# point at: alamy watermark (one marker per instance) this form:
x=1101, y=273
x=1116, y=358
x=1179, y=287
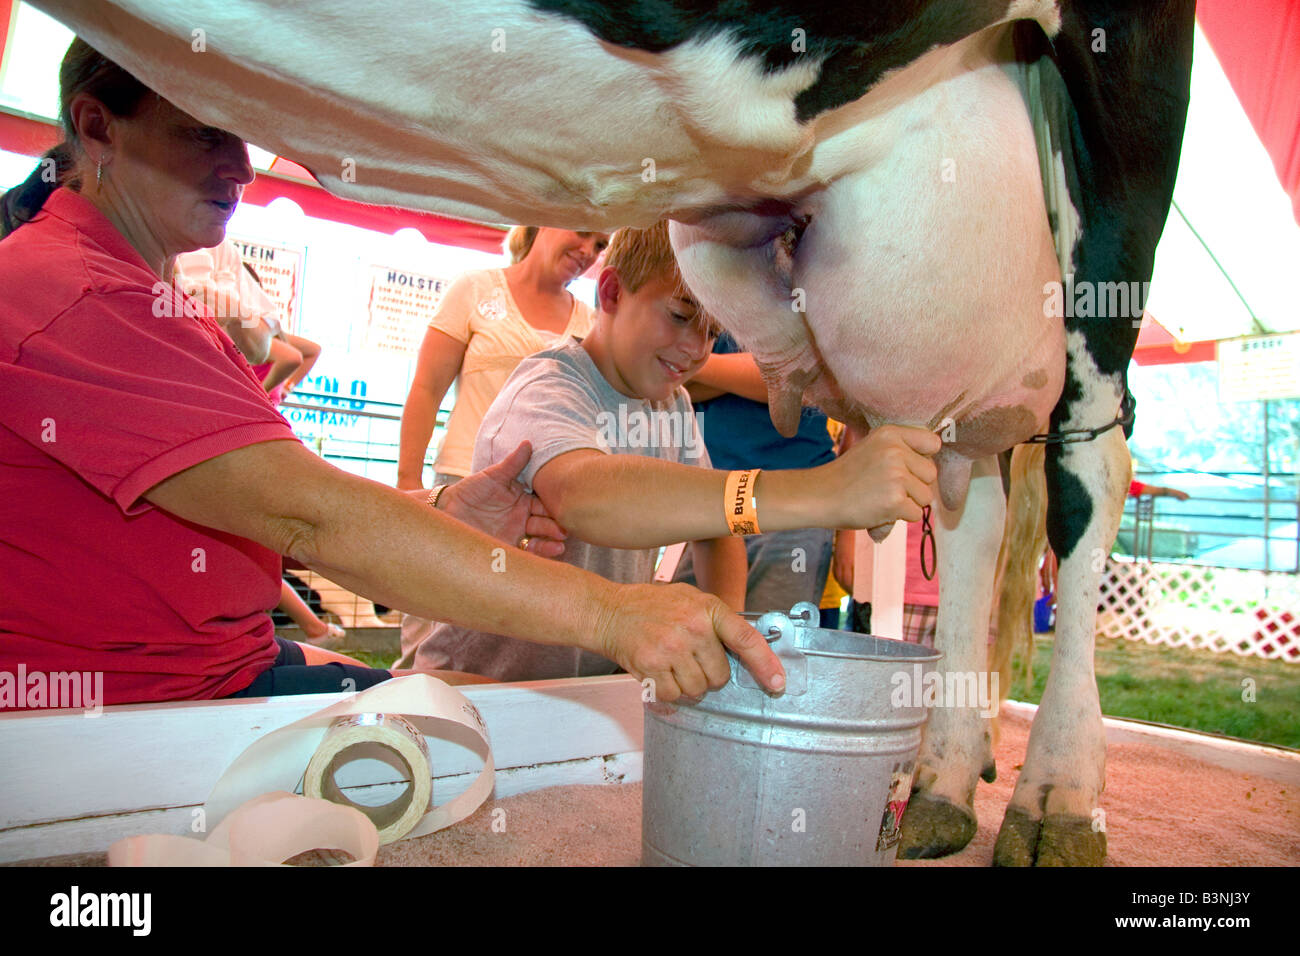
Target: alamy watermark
x=643, y=428
x=60, y=690
x=950, y=689
x=130, y=910
x=1095, y=300
x=174, y=301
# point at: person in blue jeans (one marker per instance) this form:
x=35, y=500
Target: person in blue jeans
x=730, y=398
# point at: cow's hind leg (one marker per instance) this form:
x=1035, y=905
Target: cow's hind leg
x=956, y=749
x=1054, y=817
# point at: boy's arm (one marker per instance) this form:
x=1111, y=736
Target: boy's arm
x=629, y=501
x=734, y=372
x=721, y=569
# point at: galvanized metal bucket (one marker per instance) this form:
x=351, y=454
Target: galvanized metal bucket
x=816, y=776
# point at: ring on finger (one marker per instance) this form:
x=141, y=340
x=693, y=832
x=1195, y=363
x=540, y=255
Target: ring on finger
x=523, y=542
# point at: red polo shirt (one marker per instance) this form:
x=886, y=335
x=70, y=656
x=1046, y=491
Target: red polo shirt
x=107, y=388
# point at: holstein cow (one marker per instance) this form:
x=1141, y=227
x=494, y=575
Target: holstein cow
x=879, y=200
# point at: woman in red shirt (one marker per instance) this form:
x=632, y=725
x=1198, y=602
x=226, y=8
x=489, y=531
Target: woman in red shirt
x=148, y=488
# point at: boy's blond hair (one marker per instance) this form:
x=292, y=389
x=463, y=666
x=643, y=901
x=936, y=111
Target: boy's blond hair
x=644, y=255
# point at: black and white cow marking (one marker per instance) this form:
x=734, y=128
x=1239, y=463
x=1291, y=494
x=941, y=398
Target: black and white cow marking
x=916, y=173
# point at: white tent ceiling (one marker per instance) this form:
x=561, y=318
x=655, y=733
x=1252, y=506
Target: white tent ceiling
x=1229, y=193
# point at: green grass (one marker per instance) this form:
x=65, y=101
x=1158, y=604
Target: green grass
x=382, y=661
x=1193, y=689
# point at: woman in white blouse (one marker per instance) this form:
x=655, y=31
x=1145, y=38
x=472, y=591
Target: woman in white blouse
x=485, y=324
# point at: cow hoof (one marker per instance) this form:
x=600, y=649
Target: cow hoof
x=990, y=772
x=934, y=827
x=1016, y=840
x=1055, y=841
x=1070, y=841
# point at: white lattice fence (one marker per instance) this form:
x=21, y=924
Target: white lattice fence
x=1214, y=609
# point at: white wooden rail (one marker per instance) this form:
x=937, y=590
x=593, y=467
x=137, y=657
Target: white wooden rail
x=1239, y=756
x=879, y=575
x=75, y=784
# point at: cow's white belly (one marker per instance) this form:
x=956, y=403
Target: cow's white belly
x=923, y=268
x=497, y=112
x=944, y=315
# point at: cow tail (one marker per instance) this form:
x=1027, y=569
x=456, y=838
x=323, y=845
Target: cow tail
x=1023, y=542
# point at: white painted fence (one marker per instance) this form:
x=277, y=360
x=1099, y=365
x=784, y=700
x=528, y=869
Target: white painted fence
x=1249, y=613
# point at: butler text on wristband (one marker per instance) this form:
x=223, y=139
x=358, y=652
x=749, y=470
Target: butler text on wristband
x=739, y=504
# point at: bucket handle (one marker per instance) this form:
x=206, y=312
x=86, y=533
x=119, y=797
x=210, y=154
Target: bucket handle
x=781, y=632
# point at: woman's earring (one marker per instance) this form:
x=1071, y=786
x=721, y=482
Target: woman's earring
x=99, y=172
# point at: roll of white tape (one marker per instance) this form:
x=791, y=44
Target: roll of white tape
x=384, y=736
x=259, y=820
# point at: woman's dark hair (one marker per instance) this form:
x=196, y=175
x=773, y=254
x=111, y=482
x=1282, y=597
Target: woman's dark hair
x=84, y=70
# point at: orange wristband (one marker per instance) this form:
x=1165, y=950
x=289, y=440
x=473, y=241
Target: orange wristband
x=739, y=503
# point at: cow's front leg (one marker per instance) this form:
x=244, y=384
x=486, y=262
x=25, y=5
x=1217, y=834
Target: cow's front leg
x=1053, y=817
x=956, y=749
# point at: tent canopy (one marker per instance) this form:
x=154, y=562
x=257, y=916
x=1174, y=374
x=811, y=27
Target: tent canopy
x=1226, y=261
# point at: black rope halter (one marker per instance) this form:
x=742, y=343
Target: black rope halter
x=1071, y=435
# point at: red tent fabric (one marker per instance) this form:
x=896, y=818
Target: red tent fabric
x=6, y=13
x=1258, y=46
x=1156, y=345
x=22, y=134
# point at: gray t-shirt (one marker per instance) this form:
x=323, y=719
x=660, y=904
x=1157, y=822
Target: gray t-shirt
x=558, y=400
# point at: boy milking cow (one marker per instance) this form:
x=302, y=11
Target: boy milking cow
x=619, y=462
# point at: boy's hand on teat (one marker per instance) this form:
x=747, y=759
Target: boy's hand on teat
x=886, y=477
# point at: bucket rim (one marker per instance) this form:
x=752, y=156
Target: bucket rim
x=804, y=628
x=916, y=653
x=933, y=657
